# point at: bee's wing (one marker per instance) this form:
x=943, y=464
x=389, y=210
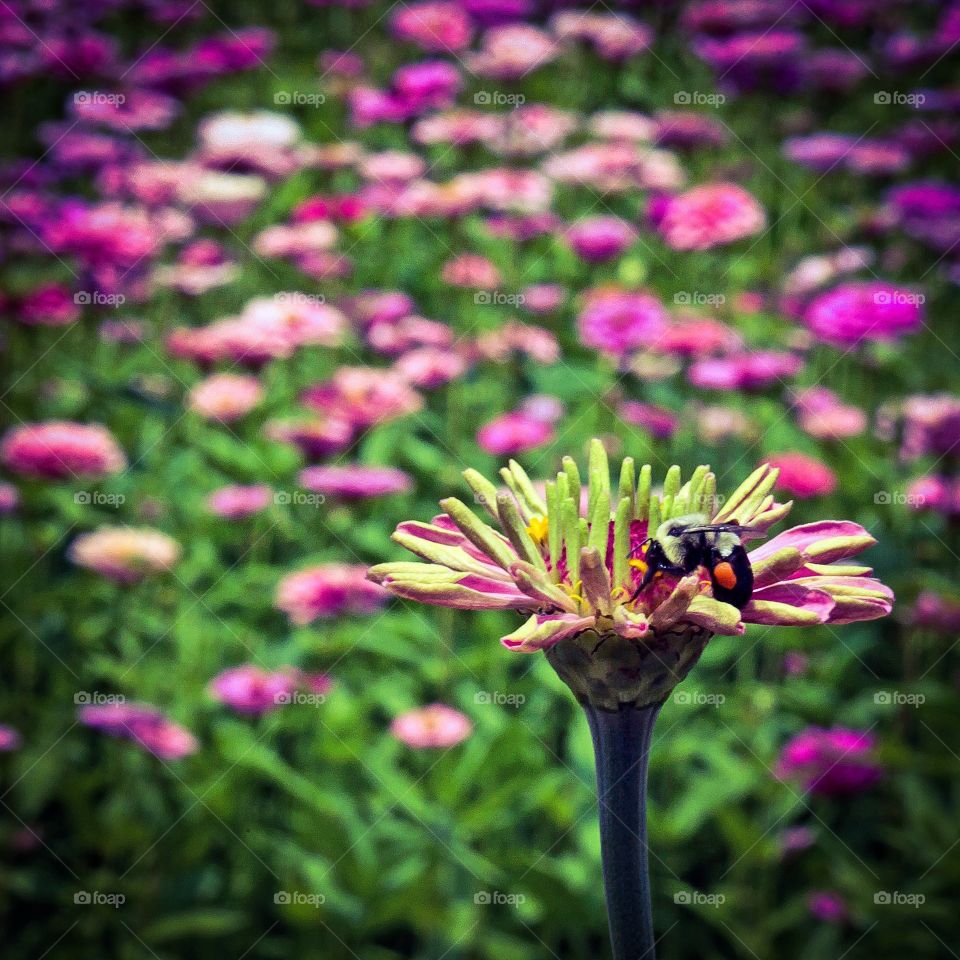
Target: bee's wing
x=734, y=528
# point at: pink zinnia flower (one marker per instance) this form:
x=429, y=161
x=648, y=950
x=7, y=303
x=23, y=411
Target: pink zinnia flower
x=822, y=414
x=364, y=395
x=657, y=421
x=225, y=396
x=512, y=51
x=471, y=271
x=856, y=311
x=803, y=476
x=328, y=590
x=355, y=481
x=745, y=371
x=144, y=725
x=51, y=305
x=621, y=321
x=430, y=367
x=514, y=433
x=433, y=25
x=249, y=689
x=9, y=738
x=60, y=449
x=830, y=762
x=315, y=437
x=436, y=725
x=598, y=239
x=125, y=554
x=236, y=502
x=709, y=216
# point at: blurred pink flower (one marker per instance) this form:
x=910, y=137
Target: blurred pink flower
x=431, y=367
x=50, y=305
x=830, y=762
x=657, y=421
x=125, y=554
x=365, y=396
x=225, y=396
x=512, y=51
x=543, y=297
x=328, y=590
x=236, y=502
x=9, y=498
x=933, y=611
x=698, y=336
x=745, y=371
x=536, y=343
x=822, y=414
x=60, y=449
x=314, y=436
x=854, y=312
x=9, y=738
x=599, y=239
x=709, y=216
x=355, y=481
x=250, y=689
x=513, y=433
x=828, y=906
x=802, y=476
x=436, y=725
x=144, y=725
x=621, y=321
x=471, y=271
x=433, y=25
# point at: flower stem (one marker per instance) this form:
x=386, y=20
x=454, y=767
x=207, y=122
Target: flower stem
x=621, y=744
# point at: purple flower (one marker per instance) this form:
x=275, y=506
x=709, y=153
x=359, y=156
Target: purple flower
x=598, y=239
x=621, y=321
x=144, y=725
x=249, y=689
x=830, y=762
x=355, y=481
x=514, y=433
x=828, y=906
x=858, y=311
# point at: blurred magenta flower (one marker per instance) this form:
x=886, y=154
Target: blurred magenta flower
x=125, y=554
x=471, y=271
x=145, y=725
x=795, y=839
x=744, y=371
x=822, y=414
x=803, y=476
x=61, y=449
x=828, y=906
x=364, y=396
x=9, y=738
x=250, y=689
x=512, y=51
x=621, y=321
x=328, y=590
x=9, y=498
x=236, y=502
x=710, y=215
x=830, y=762
x=931, y=425
x=431, y=367
x=355, y=481
x=49, y=305
x=599, y=239
x=225, y=396
x=857, y=311
x=513, y=433
x=433, y=726
x=614, y=36
x=657, y=421
x=433, y=25
x=933, y=611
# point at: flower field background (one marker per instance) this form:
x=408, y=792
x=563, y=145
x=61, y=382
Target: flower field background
x=273, y=277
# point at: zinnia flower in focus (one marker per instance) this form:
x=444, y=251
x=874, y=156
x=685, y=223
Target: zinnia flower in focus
x=830, y=762
x=328, y=590
x=579, y=576
x=60, y=449
x=710, y=215
x=225, y=396
x=145, y=725
x=355, y=481
x=855, y=312
x=803, y=476
x=436, y=725
x=125, y=554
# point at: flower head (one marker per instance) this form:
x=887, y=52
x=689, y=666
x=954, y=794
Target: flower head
x=59, y=449
x=617, y=631
x=125, y=554
x=830, y=762
x=436, y=725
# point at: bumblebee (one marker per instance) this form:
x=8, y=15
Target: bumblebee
x=683, y=544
